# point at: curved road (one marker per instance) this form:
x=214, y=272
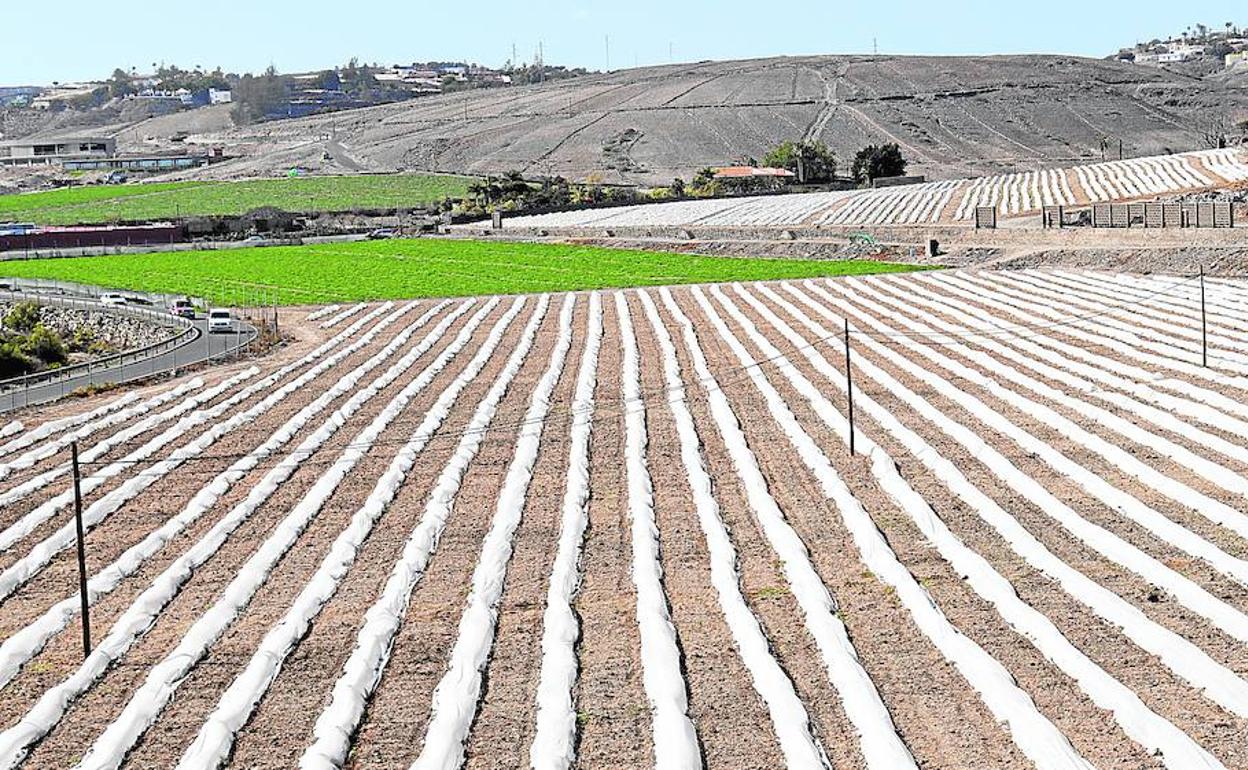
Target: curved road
x=204, y=347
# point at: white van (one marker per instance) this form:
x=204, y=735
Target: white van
x=220, y=321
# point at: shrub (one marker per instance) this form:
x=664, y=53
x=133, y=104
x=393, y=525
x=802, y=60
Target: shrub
x=45, y=345
x=13, y=363
x=23, y=317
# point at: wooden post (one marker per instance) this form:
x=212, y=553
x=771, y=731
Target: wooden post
x=1204, y=326
x=849, y=389
x=82, y=554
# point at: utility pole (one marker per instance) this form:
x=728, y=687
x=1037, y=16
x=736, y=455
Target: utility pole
x=849, y=390
x=82, y=554
x=1204, y=327
x=607, y=44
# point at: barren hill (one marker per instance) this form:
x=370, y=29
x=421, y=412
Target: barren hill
x=956, y=116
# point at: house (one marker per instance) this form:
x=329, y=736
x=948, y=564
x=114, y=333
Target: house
x=38, y=150
x=220, y=97
x=753, y=172
x=1238, y=59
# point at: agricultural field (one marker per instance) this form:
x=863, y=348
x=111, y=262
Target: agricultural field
x=952, y=201
x=114, y=203
x=412, y=269
x=625, y=528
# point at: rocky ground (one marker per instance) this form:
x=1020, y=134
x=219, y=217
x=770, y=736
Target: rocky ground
x=114, y=331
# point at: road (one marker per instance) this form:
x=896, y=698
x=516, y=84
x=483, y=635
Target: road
x=204, y=347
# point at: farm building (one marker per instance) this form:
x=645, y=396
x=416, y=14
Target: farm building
x=47, y=149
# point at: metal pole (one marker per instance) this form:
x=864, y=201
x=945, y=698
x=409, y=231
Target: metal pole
x=1204, y=326
x=82, y=554
x=849, y=389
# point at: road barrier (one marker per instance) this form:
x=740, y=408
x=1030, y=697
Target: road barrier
x=184, y=333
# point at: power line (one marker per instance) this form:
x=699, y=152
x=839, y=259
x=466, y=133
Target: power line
x=604, y=409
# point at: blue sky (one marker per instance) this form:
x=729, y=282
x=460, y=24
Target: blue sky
x=299, y=35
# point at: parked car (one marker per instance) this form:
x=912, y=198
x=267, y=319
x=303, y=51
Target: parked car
x=182, y=308
x=220, y=321
x=382, y=233
x=112, y=299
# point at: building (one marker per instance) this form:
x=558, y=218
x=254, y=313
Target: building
x=36, y=150
x=753, y=172
x=220, y=97
x=1238, y=59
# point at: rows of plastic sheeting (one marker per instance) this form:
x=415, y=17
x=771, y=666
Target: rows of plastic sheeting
x=1137, y=721
x=1126, y=344
x=881, y=746
x=165, y=677
x=101, y=448
x=16, y=741
x=331, y=738
x=244, y=693
x=21, y=646
x=1228, y=691
x=52, y=427
x=317, y=315
x=136, y=482
x=1211, y=470
x=456, y=695
x=1036, y=737
x=343, y=315
x=675, y=741
x=49, y=448
x=554, y=741
x=789, y=718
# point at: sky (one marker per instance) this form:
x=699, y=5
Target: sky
x=301, y=35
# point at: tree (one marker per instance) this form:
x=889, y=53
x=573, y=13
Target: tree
x=811, y=161
x=703, y=178
x=256, y=97
x=677, y=188
x=1215, y=131
x=875, y=161
x=119, y=84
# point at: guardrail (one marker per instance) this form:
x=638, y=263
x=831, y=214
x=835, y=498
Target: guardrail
x=186, y=333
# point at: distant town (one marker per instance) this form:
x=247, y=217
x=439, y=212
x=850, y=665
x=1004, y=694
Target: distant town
x=276, y=95
x=1207, y=48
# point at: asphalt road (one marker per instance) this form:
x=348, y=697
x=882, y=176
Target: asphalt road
x=204, y=347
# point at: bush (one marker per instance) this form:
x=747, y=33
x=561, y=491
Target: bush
x=23, y=317
x=45, y=345
x=13, y=363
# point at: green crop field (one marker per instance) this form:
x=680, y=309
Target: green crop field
x=414, y=268
x=113, y=203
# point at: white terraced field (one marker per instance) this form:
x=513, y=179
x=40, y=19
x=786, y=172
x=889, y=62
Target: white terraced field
x=624, y=529
x=1011, y=194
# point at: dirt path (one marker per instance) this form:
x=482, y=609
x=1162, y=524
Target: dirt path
x=612, y=712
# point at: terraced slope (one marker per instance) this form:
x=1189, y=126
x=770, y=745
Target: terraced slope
x=955, y=116
x=626, y=527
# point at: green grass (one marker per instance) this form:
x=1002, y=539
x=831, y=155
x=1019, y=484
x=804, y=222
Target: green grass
x=403, y=269
x=112, y=203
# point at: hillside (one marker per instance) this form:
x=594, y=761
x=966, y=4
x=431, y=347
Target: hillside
x=956, y=116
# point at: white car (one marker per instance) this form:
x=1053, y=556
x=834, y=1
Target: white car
x=220, y=321
x=112, y=299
